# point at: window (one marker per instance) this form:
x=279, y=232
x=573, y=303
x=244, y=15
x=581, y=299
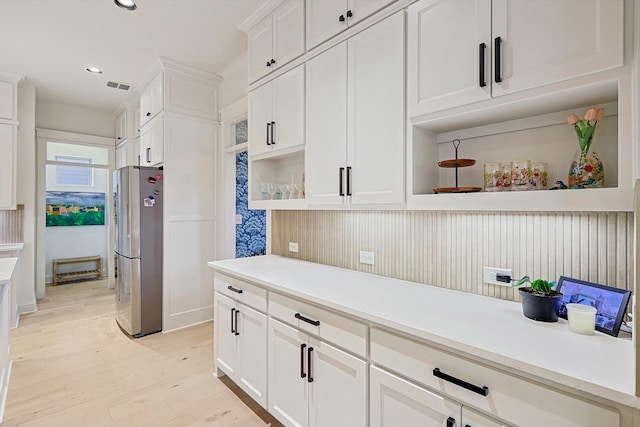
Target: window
x=74, y=175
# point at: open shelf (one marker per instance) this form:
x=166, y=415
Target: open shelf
x=285, y=169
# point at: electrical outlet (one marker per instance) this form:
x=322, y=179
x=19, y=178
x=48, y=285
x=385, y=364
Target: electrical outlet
x=367, y=257
x=489, y=275
x=293, y=247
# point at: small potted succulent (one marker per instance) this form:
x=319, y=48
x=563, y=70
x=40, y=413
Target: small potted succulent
x=539, y=300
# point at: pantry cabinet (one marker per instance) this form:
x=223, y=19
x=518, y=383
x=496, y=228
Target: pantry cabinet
x=8, y=161
x=276, y=114
x=312, y=383
x=354, y=151
x=326, y=18
x=152, y=142
x=463, y=53
x=276, y=40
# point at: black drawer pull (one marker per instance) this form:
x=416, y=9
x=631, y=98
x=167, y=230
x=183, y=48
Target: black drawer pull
x=232, y=289
x=233, y=331
x=306, y=319
x=451, y=422
x=302, y=347
x=481, y=58
x=237, y=332
x=341, y=178
x=457, y=381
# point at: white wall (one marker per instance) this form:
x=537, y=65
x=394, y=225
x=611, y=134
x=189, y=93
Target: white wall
x=77, y=241
x=71, y=118
x=234, y=83
x=26, y=193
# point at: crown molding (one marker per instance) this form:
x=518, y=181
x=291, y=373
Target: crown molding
x=259, y=14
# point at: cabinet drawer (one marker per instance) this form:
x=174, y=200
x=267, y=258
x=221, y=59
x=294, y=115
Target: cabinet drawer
x=511, y=398
x=246, y=293
x=346, y=333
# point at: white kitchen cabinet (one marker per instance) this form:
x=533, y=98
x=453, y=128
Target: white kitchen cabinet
x=121, y=127
x=312, y=383
x=463, y=52
x=241, y=346
x=8, y=162
x=471, y=418
x=151, y=99
x=8, y=94
x=152, y=142
x=326, y=18
x=276, y=40
x=128, y=153
x=276, y=114
x=354, y=152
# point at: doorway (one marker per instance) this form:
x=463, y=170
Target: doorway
x=74, y=207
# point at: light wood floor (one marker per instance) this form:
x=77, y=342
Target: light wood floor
x=72, y=366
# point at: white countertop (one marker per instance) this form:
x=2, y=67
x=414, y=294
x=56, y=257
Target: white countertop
x=488, y=328
x=11, y=247
x=7, y=265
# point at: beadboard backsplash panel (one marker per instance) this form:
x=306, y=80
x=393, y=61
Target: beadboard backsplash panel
x=449, y=249
x=11, y=225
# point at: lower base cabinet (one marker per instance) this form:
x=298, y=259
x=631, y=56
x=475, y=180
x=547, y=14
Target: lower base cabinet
x=396, y=402
x=312, y=383
x=241, y=343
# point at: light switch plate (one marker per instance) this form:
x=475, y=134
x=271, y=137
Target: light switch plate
x=238, y=219
x=293, y=247
x=367, y=257
x=489, y=275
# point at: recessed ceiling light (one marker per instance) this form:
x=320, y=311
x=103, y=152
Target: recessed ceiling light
x=94, y=70
x=126, y=4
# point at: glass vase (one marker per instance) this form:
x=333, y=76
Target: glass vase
x=586, y=170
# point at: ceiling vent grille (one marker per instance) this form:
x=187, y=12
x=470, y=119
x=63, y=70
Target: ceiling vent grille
x=116, y=85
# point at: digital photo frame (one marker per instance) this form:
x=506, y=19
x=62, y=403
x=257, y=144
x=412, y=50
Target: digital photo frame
x=610, y=303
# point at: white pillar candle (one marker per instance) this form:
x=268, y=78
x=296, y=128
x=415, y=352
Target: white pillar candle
x=582, y=318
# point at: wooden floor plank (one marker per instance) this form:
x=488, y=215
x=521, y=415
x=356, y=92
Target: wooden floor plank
x=72, y=366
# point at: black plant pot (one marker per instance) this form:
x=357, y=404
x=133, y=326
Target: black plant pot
x=543, y=308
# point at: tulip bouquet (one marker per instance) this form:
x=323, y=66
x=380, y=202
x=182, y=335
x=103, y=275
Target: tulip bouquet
x=586, y=169
x=585, y=127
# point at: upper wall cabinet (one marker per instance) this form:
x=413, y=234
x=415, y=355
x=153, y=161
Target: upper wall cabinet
x=326, y=18
x=151, y=99
x=7, y=100
x=354, y=152
x=276, y=40
x=8, y=158
x=276, y=114
x=462, y=52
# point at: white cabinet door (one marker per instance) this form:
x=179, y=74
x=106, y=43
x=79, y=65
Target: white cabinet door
x=226, y=344
x=260, y=39
x=288, y=110
x=151, y=99
x=121, y=127
x=288, y=32
x=471, y=418
x=259, y=115
x=548, y=41
x=448, y=65
x=8, y=159
x=121, y=155
x=338, y=393
x=287, y=374
x=326, y=126
x=252, y=353
x=323, y=20
x=152, y=142
x=360, y=9
x=395, y=402
x=375, y=113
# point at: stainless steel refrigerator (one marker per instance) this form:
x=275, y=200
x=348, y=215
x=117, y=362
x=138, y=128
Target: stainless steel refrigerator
x=138, y=249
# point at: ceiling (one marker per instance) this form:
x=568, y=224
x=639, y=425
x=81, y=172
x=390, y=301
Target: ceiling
x=51, y=42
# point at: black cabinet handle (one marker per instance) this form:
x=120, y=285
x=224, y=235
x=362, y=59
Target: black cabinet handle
x=273, y=61
x=268, y=133
x=341, y=192
x=341, y=18
x=451, y=422
x=268, y=63
x=481, y=56
x=349, y=14
x=233, y=331
x=309, y=377
x=148, y=113
x=302, y=347
x=119, y=138
x=348, y=180
x=461, y=383
x=497, y=52
x=236, y=290
x=306, y=319
x=148, y=154
x=273, y=129
x=237, y=332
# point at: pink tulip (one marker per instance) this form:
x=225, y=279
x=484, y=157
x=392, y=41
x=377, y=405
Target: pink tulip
x=572, y=119
x=590, y=114
x=599, y=114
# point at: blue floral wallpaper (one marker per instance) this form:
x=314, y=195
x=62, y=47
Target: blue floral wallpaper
x=252, y=232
